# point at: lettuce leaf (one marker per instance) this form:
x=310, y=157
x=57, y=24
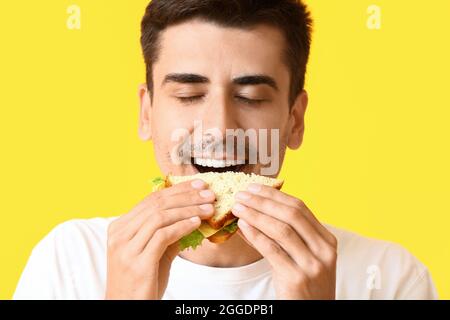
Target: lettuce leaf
x=157, y=180
x=158, y=183
x=232, y=227
x=195, y=238
x=192, y=240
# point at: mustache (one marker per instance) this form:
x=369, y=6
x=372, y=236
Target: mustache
x=223, y=147
x=250, y=146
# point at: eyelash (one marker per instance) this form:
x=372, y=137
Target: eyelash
x=251, y=102
x=190, y=100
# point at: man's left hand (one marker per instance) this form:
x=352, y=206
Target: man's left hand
x=301, y=251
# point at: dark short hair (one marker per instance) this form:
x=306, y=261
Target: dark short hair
x=291, y=17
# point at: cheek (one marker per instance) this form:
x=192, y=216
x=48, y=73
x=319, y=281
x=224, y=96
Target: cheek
x=170, y=127
x=277, y=134
x=265, y=117
x=169, y=113
x=273, y=114
x=166, y=121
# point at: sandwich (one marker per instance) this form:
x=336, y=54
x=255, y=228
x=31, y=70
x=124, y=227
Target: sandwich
x=223, y=224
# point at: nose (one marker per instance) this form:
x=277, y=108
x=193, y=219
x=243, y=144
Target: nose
x=219, y=114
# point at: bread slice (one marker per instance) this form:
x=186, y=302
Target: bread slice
x=225, y=185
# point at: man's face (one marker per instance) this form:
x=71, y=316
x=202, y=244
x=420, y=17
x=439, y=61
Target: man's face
x=209, y=81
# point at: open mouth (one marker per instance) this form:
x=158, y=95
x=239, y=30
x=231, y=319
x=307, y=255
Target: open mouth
x=212, y=165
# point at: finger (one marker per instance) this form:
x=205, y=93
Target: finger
x=272, y=193
x=290, y=210
x=185, y=199
x=282, y=233
x=166, y=236
x=180, y=200
x=166, y=218
x=287, y=214
x=149, y=200
x=326, y=234
x=239, y=232
x=268, y=248
x=132, y=228
x=180, y=188
x=282, y=197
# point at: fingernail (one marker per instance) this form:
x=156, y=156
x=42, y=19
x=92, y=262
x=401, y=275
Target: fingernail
x=207, y=207
x=242, y=195
x=254, y=187
x=206, y=193
x=198, y=184
x=242, y=224
x=195, y=219
x=237, y=207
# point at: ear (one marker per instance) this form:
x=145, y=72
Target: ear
x=297, y=121
x=145, y=129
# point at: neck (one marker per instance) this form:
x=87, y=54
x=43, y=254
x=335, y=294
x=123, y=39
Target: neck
x=234, y=252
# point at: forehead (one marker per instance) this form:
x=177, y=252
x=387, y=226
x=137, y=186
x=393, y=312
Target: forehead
x=210, y=49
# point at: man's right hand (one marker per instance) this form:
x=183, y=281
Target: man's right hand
x=143, y=243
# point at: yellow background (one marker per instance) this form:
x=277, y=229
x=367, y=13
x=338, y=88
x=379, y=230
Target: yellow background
x=375, y=158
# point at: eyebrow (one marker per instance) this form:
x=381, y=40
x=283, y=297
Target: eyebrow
x=255, y=80
x=192, y=78
x=185, y=78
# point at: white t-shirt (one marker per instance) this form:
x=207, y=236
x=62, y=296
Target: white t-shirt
x=70, y=263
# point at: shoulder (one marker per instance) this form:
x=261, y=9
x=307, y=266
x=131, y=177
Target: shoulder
x=355, y=246
x=68, y=263
x=381, y=269
x=94, y=229
x=351, y=242
x=77, y=233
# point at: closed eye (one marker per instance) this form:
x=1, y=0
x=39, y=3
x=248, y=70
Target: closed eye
x=191, y=99
x=197, y=98
x=249, y=101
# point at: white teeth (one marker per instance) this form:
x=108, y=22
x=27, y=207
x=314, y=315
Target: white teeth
x=215, y=163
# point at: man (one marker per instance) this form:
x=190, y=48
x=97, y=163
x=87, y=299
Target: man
x=226, y=65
